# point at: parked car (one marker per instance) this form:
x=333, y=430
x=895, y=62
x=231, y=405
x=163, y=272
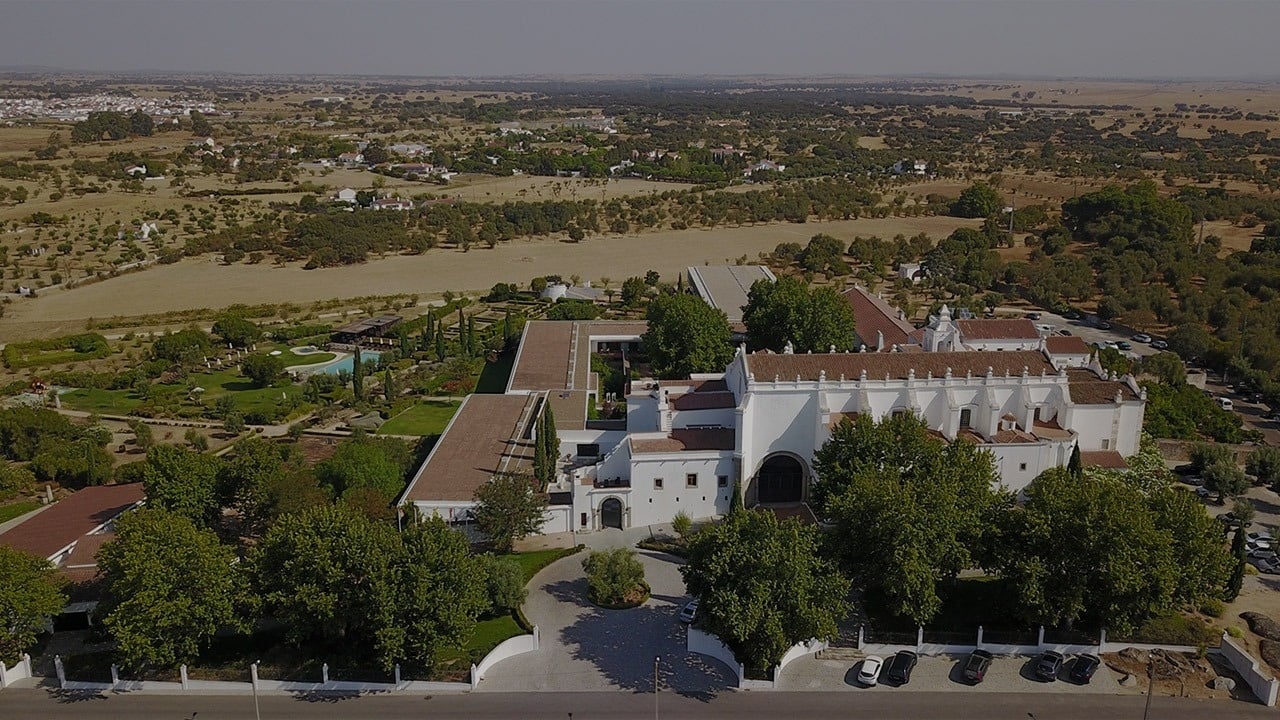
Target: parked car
x=1263, y=555
x=1083, y=668
x=1225, y=403
x=1033, y=316
x=976, y=667
x=1159, y=345
x=1267, y=566
x=1228, y=518
x=1049, y=664
x=869, y=672
x=1064, y=331
x=1263, y=536
x=1193, y=480
x=900, y=667
x=690, y=611
x=1124, y=345
x=1185, y=469
x=1071, y=315
x=1104, y=325
x=1204, y=492
x=1141, y=338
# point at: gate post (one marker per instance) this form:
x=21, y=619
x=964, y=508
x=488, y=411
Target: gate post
x=979, y=636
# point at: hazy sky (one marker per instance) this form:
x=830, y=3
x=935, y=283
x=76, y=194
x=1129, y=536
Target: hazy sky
x=1121, y=38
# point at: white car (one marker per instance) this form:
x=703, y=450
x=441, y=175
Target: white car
x=690, y=611
x=1267, y=566
x=1263, y=555
x=1261, y=537
x=869, y=672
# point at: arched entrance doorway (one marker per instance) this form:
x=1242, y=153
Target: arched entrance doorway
x=611, y=513
x=781, y=480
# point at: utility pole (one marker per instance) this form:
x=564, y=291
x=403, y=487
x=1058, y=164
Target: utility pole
x=656, y=660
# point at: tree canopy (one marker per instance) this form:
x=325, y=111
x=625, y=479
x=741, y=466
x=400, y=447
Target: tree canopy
x=183, y=482
x=979, y=200
x=30, y=592
x=686, y=336
x=909, y=511
x=763, y=586
x=509, y=507
x=170, y=587
x=811, y=319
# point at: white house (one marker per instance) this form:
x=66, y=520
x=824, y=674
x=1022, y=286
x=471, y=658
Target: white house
x=391, y=204
x=345, y=195
x=686, y=445
x=946, y=335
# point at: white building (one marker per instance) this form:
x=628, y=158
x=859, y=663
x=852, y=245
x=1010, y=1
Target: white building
x=345, y=195
x=946, y=335
x=685, y=445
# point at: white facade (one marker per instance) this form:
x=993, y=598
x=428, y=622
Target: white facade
x=688, y=444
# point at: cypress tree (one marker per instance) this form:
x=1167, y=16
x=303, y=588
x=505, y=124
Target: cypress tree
x=1074, y=466
x=1237, y=573
x=471, y=335
x=440, y=348
x=357, y=375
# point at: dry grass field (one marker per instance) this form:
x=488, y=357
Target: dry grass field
x=196, y=283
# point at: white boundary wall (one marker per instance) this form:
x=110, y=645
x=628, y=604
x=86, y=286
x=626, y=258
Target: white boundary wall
x=1260, y=681
x=508, y=648
x=11, y=675
x=705, y=643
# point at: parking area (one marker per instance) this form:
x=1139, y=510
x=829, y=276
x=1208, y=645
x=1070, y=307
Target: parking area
x=1007, y=674
x=588, y=649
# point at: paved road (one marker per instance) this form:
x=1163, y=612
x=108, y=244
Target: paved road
x=586, y=648
x=1090, y=334
x=617, y=706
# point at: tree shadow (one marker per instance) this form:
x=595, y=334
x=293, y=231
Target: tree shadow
x=67, y=697
x=332, y=696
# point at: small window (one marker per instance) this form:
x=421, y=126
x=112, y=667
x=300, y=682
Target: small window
x=691, y=480
x=722, y=481
x=966, y=417
x=584, y=519
x=657, y=483
x=898, y=413
x=1022, y=467
x=1106, y=444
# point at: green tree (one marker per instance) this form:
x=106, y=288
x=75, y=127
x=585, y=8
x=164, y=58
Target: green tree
x=634, y=291
x=979, y=200
x=262, y=369
x=1264, y=464
x=1236, y=580
x=811, y=319
x=1165, y=367
x=1224, y=478
x=182, y=482
x=763, y=585
x=142, y=434
x=1201, y=565
x=197, y=440
x=504, y=583
x=686, y=336
x=509, y=508
x=1119, y=570
x=615, y=577
x=1202, y=455
x=682, y=525
x=366, y=462
x=184, y=346
x=233, y=328
x=30, y=592
x=1074, y=465
x=170, y=587
x=200, y=124
x=909, y=512
x=357, y=375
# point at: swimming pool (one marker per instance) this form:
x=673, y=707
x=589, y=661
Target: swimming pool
x=347, y=363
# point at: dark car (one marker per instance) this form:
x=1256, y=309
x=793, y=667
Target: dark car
x=1083, y=668
x=1104, y=325
x=976, y=668
x=1033, y=316
x=1185, y=469
x=1064, y=331
x=1049, y=664
x=1071, y=315
x=900, y=667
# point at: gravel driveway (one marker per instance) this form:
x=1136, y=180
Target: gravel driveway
x=586, y=648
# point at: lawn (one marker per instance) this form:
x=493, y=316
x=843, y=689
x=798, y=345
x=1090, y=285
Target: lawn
x=425, y=418
x=292, y=359
x=103, y=402
x=9, y=512
x=455, y=663
x=532, y=562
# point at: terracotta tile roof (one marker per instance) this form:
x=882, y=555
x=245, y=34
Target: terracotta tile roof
x=84, y=554
x=1011, y=437
x=687, y=440
x=1066, y=345
x=1088, y=389
x=70, y=518
x=704, y=401
x=896, y=365
x=839, y=417
x=871, y=314
x=1049, y=429
x=1019, y=329
x=485, y=432
x=1109, y=459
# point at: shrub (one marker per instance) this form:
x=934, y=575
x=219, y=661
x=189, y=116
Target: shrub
x=1212, y=607
x=682, y=525
x=1175, y=629
x=615, y=578
x=504, y=583
x=1235, y=632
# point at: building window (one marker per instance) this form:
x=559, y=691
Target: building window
x=657, y=483
x=691, y=480
x=722, y=481
x=584, y=519
x=966, y=417
x=1022, y=467
x=1106, y=444
x=898, y=413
